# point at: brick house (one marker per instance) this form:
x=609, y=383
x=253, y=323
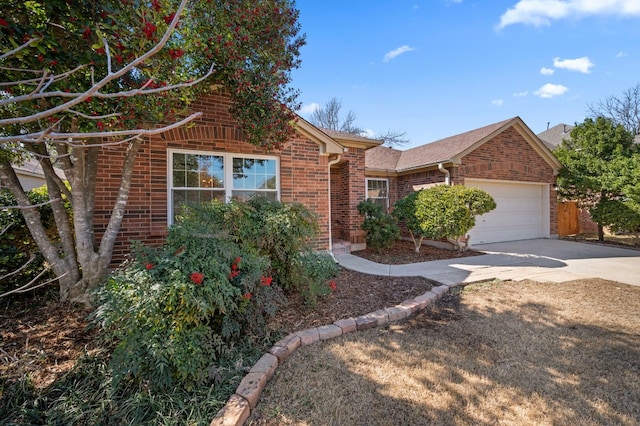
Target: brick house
x=506, y=159
x=323, y=170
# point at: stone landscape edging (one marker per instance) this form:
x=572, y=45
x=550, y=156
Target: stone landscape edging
x=238, y=408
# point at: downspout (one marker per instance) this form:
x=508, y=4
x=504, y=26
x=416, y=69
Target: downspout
x=331, y=163
x=447, y=175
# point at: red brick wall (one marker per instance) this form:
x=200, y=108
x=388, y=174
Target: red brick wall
x=508, y=156
x=303, y=175
x=407, y=182
x=347, y=190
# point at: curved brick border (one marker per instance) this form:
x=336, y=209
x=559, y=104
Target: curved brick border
x=239, y=406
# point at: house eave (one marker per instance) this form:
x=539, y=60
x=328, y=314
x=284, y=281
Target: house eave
x=432, y=165
x=359, y=143
x=327, y=144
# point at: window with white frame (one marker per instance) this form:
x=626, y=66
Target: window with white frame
x=200, y=177
x=378, y=191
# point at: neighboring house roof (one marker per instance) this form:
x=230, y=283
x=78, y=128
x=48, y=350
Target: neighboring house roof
x=554, y=136
x=451, y=149
x=33, y=168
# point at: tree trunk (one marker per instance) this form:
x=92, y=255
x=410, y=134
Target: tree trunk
x=600, y=232
x=65, y=268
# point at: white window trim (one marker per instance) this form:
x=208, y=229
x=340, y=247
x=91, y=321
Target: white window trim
x=228, y=172
x=366, y=183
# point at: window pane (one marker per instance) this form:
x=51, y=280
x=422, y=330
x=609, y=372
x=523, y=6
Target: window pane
x=377, y=191
x=198, y=171
x=178, y=161
x=271, y=183
x=251, y=173
x=182, y=197
x=193, y=179
x=179, y=178
x=191, y=162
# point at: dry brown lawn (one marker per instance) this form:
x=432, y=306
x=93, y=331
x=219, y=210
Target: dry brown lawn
x=497, y=353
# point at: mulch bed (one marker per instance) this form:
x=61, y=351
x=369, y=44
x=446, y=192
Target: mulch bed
x=356, y=294
x=402, y=252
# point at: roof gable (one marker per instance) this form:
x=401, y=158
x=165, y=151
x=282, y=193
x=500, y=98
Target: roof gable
x=453, y=148
x=327, y=144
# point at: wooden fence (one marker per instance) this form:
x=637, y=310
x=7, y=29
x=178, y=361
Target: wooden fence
x=568, y=218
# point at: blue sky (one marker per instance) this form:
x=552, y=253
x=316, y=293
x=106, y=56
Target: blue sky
x=435, y=68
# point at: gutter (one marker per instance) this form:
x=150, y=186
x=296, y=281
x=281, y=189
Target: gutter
x=447, y=175
x=329, y=164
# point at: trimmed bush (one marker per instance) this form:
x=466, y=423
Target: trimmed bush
x=381, y=228
x=282, y=232
x=444, y=211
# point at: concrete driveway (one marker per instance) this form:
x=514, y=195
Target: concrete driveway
x=544, y=260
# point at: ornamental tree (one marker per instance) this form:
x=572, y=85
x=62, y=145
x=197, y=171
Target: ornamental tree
x=76, y=76
x=444, y=211
x=600, y=172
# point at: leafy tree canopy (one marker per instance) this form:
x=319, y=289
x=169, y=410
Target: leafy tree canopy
x=76, y=75
x=59, y=80
x=600, y=171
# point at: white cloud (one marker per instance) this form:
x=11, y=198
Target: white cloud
x=542, y=12
x=309, y=108
x=497, y=102
x=621, y=55
x=547, y=71
x=582, y=65
x=368, y=133
x=521, y=94
x=551, y=90
x=397, y=52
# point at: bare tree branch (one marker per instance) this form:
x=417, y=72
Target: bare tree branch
x=95, y=88
x=57, y=77
x=29, y=286
x=31, y=259
x=328, y=117
x=31, y=206
x=37, y=137
x=624, y=109
x=19, y=48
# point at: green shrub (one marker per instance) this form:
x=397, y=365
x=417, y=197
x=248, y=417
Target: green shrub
x=173, y=312
x=444, y=211
x=315, y=269
x=381, y=228
x=282, y=232
x=620, y=216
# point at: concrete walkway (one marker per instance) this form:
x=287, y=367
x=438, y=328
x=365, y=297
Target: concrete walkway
x=545, y=260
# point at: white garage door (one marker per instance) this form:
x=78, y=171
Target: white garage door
x=521, y=213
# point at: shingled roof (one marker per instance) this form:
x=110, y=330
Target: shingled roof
x=554, y=136
x=448, y=150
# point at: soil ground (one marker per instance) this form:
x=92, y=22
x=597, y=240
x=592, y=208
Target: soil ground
x=493, y=353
